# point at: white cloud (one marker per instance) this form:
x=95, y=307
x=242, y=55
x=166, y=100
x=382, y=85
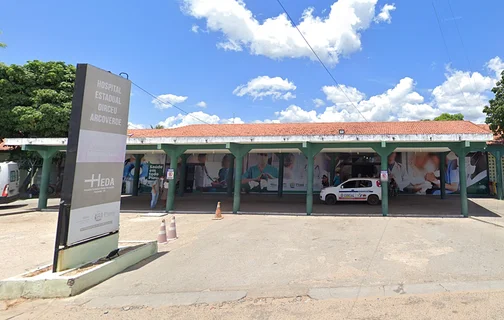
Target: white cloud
x=167, y=100
x=334, y=35
x=496, y=65
x=229, y=45
x=198, y=117
x=232, y=121
x=318, y=103
x=461, y=92
x=131, y=125
x=195, y=28
x=342, y=94
x=264, y=86
x=294, y=113
x=384, y=15
x=201, y=104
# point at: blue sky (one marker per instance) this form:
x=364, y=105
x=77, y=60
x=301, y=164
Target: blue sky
x=247, y=63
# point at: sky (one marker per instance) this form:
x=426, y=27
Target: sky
x=236, y=61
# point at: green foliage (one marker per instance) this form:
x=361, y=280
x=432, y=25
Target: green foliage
x=450, y=117
x=2, y=45
x=157, y=126
x=495, y=111
x=36, y=99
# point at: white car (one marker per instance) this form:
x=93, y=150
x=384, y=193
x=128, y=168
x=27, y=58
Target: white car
x=355, y=189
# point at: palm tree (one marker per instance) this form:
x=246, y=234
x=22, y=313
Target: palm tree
x=158, y=126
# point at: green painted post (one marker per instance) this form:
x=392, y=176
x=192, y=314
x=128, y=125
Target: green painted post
x=309, y=184
x=44, y=183
x=172, y=184
x=230, y=176
x=237, y=182
x=498, y=174
x=463, y=182
x=281, y=162
x=442, y=174
x=384, y=184
x=136, y=173
x=332, y=172
x=183, y=169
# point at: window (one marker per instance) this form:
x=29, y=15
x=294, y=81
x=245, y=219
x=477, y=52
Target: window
x=364, y=184
x=13, y=176
x=348, y=185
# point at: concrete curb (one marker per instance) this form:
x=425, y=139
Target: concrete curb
x=60, y=285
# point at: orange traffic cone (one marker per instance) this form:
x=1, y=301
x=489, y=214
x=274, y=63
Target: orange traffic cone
x=172, y=230
x=162, y=233
x=218, y=213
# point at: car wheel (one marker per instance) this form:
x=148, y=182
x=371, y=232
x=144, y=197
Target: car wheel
x=373, y=199
x=330, y=199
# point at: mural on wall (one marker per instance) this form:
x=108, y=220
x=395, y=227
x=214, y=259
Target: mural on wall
x=151, y=168
x=296, y=172
x=211, y=171
x=418, y=172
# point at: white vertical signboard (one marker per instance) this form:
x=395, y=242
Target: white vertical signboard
x=97, y=178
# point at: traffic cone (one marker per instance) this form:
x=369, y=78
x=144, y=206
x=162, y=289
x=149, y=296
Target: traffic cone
x=218, y=213
x=162, y=233
x=172, y=230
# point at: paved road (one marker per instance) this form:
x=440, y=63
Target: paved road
x=230, y=266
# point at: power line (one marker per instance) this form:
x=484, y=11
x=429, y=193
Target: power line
x=462, y=42
x=320, y=60
x=446, y=48
x=171, y=104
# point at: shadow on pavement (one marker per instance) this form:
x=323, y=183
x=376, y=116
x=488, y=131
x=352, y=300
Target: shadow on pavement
x=144, y=262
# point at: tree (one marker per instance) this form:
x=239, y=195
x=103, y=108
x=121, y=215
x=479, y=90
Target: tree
x=36, y=99
x=157, y=126
x=495, y=111
x=2, y=45
x=450, y=117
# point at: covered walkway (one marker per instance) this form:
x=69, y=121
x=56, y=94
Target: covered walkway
x=309, y=139
x=402, y=205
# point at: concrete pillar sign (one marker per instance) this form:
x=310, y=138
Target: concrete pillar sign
x=384, y=185
x=92, y=181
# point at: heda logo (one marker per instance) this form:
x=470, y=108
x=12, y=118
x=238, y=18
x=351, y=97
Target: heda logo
x=99, y=182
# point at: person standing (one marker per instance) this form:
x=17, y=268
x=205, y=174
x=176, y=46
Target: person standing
x=154, y=193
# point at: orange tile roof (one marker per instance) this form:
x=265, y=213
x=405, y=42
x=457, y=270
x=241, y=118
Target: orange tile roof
x=300, y=129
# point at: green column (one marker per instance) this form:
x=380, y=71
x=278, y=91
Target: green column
x=384, y=184
x=332, y=172
x=442, y=174
x=230, y=176
x=498, y=174
x=172, y=184
x=44, y=183
x=281, y=162
x=183, y=169
x=463, y=183
x=136, y=173
x=309, y=185
x=237, y=183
